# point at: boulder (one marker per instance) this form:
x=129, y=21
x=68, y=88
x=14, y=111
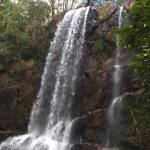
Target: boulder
x=94, y=136
x=78, y=126
x=105, y=10
x=129, y=5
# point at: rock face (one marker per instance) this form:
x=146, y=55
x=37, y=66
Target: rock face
x=106, y=10
x=98, y=91
x=108, y=17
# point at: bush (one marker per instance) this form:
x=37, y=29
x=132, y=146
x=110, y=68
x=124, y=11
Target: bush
x=104, y=45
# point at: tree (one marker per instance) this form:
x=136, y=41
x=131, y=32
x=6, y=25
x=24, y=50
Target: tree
x=52, y=3
x=22, y=23
x=12, y=34
x=136, y=37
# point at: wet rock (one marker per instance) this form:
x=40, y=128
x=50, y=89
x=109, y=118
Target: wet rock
x=77, y=147
x=5, y=134
x=78, y=126
x=92, y=20
x=109, y=149
x=86, y=146
x=95, y=129
x=108, y=90
x=125, y=20
x=80, y=123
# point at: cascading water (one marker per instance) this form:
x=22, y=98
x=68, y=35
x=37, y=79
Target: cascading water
x=53, y=112
x=114, y=110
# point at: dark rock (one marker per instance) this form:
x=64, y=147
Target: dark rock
x=92, y=20
x=78, y=126
x=5, y=134
x=77, y=147
x=85, y=146
x=136, y=83
x=94, y=136
x=88, y=118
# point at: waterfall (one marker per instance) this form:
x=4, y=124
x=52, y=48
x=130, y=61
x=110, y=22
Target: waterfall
x=114, y=111
x=55, y=108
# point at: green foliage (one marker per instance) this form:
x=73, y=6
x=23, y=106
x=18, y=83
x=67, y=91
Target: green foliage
x=104, y=45
x=136, y=37
x=23, y=28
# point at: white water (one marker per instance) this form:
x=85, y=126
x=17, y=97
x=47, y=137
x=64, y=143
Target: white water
x=114, y=110
x=53, y=112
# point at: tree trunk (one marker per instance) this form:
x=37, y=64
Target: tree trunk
x=52, y=2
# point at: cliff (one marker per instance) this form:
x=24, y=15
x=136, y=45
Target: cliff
x=92, y=123
x=99, y=52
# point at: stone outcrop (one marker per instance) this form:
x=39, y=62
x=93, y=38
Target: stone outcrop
x=129, y=5
x=106, y=10
x=108, y=17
